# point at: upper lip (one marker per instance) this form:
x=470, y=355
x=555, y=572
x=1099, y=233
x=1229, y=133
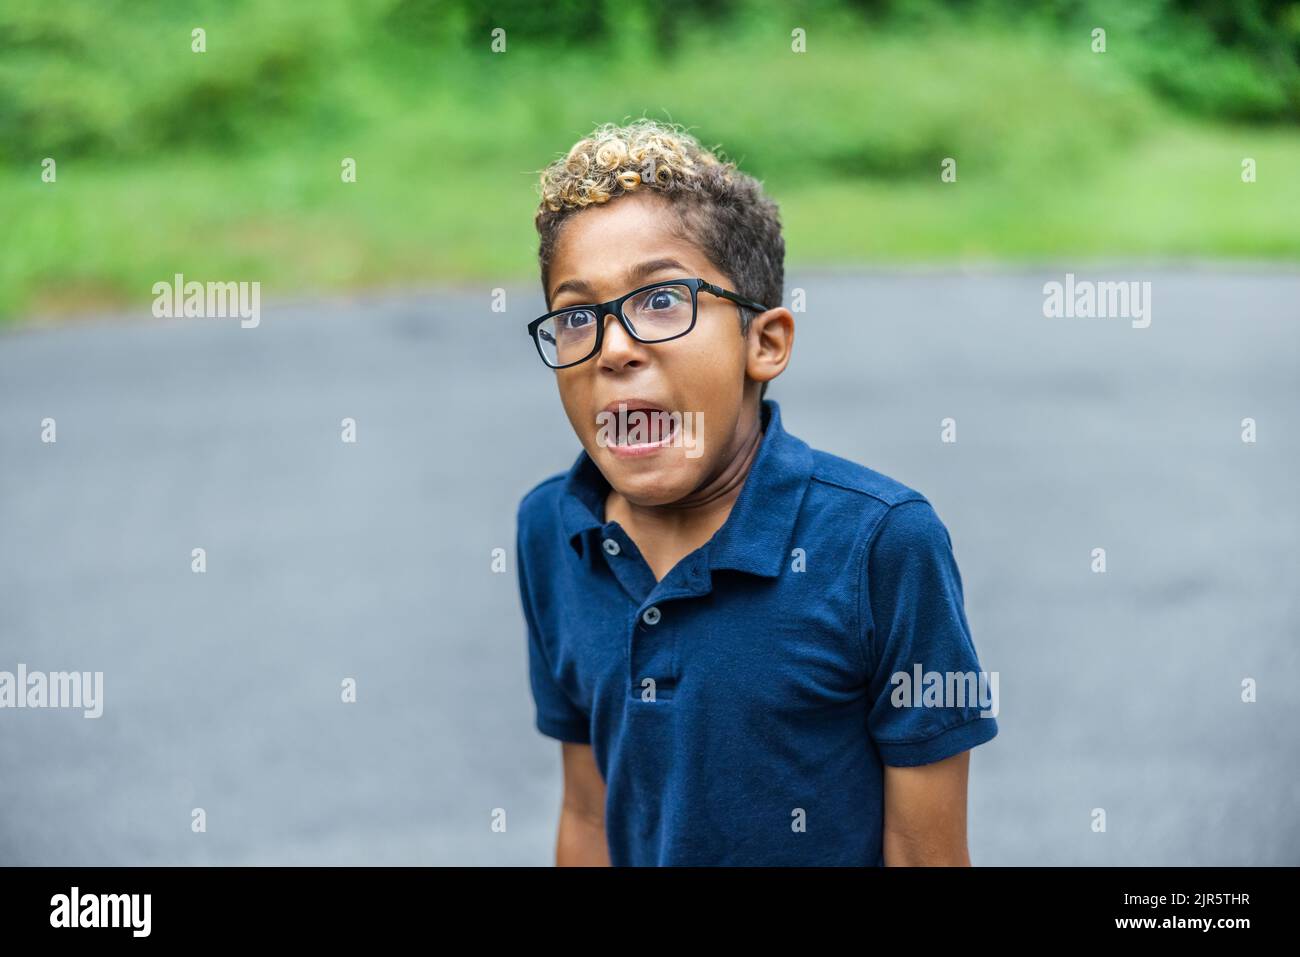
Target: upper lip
x=632, y=404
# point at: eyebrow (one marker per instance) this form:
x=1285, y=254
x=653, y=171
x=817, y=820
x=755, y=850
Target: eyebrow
x=631, y=278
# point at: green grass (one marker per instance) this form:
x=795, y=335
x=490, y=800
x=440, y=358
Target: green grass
x=1061, y=153
x=1177, y=193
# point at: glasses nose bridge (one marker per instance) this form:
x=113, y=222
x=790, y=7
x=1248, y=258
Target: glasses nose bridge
x=615, y=308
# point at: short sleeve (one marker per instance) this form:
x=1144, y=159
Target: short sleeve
x=929, y=698
x=556, y=714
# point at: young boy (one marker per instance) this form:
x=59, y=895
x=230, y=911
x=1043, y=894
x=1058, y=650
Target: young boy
x=726, y=629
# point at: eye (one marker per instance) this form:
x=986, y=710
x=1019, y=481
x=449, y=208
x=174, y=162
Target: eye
x=578, y=320
x=663, y=299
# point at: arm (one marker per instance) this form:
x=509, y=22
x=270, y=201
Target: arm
x=925, y=814
x=581, y=838
x=916, y=619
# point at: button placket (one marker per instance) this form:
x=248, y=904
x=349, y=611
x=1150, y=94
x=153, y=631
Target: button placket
x=652, y=655
x=623, y=560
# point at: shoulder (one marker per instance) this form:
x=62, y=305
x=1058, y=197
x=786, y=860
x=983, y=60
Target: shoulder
x=891, y=513
x=536, y=526
x=540, y=503
x=544, y=492
x=910, y=528
x=849, y=479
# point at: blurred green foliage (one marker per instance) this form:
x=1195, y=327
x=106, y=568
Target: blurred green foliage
x=227, y=163
x=112, y=78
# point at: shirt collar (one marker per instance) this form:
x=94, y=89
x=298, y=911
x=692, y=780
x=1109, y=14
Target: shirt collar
x=756, y=533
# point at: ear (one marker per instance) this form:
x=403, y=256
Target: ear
x=769, y=343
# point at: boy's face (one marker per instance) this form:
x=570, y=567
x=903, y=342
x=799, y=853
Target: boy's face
x=603, y=253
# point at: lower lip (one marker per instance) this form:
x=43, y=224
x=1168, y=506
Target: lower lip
x=647, y=448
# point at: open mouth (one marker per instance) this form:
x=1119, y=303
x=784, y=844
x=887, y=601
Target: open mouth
x=635, y=427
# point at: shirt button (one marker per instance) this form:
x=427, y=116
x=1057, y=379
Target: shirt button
x=651, y=616
x=611, y=546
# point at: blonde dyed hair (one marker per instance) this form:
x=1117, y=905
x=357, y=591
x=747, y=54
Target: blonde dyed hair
x=614, y=160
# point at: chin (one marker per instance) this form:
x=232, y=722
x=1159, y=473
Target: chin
x=648, y=486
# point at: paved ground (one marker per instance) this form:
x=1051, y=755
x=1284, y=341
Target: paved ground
x=325, y=561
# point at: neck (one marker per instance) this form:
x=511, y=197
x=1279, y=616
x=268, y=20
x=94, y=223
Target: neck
x=705, y=510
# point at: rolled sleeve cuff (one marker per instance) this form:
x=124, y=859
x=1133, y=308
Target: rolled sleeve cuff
x=954, y=740
x=564, y=729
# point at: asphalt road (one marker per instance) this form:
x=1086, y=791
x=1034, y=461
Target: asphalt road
x=372, y=561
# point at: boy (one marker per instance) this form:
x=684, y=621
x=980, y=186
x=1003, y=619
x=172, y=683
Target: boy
x=723, y=624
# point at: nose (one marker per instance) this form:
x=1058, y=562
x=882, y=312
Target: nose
x=619, y=350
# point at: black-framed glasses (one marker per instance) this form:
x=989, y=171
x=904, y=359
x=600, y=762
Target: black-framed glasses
x=655, y=313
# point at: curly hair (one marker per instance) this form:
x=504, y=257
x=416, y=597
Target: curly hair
x=719, y=209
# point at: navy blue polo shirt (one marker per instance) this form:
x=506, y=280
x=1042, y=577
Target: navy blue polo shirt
x=741, y=710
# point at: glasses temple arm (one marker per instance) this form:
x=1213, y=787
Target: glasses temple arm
x=725, y=294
